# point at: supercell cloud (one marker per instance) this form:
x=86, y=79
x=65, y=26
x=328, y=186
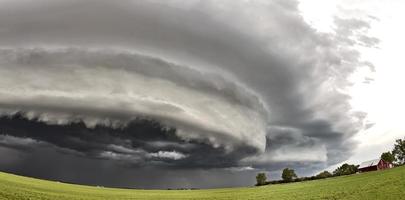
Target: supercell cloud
x=204, y=89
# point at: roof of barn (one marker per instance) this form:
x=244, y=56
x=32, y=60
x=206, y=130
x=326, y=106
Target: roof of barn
x=369, y=163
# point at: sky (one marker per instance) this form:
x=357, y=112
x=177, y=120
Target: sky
x=198, y=94
x=380, y=98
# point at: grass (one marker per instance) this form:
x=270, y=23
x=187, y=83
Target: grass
x=388, y=184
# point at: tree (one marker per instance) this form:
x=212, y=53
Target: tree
x=324, y=174
x=261, y=179
x=346, y=169
x=288, y=175
x=388, y=157
x=399, y=151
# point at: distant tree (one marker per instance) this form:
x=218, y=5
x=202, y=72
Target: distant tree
x=324, y=174
x=346, y=169
x=388, y=157
x=261, y=179
x=288, y=175
x=399, y=151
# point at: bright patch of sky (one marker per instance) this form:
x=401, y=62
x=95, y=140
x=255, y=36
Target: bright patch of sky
x=382, y=96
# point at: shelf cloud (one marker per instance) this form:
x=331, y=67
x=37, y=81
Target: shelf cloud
x=191, y=87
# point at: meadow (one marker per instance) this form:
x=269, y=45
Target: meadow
x=387, y=184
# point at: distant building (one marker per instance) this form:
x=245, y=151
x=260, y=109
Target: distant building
x=374, y=165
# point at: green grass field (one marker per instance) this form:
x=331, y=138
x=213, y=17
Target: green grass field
x=388, y=184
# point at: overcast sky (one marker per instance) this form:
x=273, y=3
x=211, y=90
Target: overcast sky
x=159, y=94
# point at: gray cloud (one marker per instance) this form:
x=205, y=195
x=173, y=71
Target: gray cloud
x=224, y=85
x=355, y=31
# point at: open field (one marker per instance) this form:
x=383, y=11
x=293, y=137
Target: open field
x=388, y=184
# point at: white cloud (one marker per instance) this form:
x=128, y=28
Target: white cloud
x=174, y=155
x=17, y=141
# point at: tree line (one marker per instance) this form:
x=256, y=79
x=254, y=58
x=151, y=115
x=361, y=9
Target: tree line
x=288, y=175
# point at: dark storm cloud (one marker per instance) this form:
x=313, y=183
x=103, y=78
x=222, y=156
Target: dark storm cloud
x=135, y=144
x=142, y=143
x=227, y=85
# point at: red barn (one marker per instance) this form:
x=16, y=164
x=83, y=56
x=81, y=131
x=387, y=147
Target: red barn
x=374, y=165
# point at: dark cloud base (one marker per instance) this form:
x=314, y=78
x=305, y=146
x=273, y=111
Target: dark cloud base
x=73, y=153
x=132, y=144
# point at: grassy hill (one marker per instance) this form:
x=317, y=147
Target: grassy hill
x=388, y=184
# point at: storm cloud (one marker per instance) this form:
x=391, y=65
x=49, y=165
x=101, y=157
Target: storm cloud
x=202, y=87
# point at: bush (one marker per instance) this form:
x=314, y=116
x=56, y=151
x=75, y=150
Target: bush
x=324, y=174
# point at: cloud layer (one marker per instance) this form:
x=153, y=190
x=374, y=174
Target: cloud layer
x=180, y=86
